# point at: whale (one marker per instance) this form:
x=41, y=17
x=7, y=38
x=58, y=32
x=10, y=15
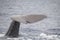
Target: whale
x=13, y=30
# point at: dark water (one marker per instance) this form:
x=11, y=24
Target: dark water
x=50, y=25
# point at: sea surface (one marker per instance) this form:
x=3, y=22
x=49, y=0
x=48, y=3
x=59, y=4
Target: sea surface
x=47, y=29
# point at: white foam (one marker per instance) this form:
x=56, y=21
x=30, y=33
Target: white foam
x=1, y=35
x=42, y=36
x=29, y=39
x=8, y=38
x=48, y=37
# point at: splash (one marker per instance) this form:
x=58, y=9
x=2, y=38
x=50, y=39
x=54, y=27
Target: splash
x=41, y=36
x=1, y=35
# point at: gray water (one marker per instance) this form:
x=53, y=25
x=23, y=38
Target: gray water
x=47, y=27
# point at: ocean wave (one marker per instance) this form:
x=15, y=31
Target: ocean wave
x=41, y=36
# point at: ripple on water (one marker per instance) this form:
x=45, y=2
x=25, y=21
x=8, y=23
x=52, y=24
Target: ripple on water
x=42, y=36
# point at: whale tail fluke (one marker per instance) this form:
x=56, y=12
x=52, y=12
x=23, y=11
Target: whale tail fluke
x=13, y=31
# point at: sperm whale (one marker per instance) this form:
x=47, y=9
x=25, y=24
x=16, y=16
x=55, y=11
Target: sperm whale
x=13, y=30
